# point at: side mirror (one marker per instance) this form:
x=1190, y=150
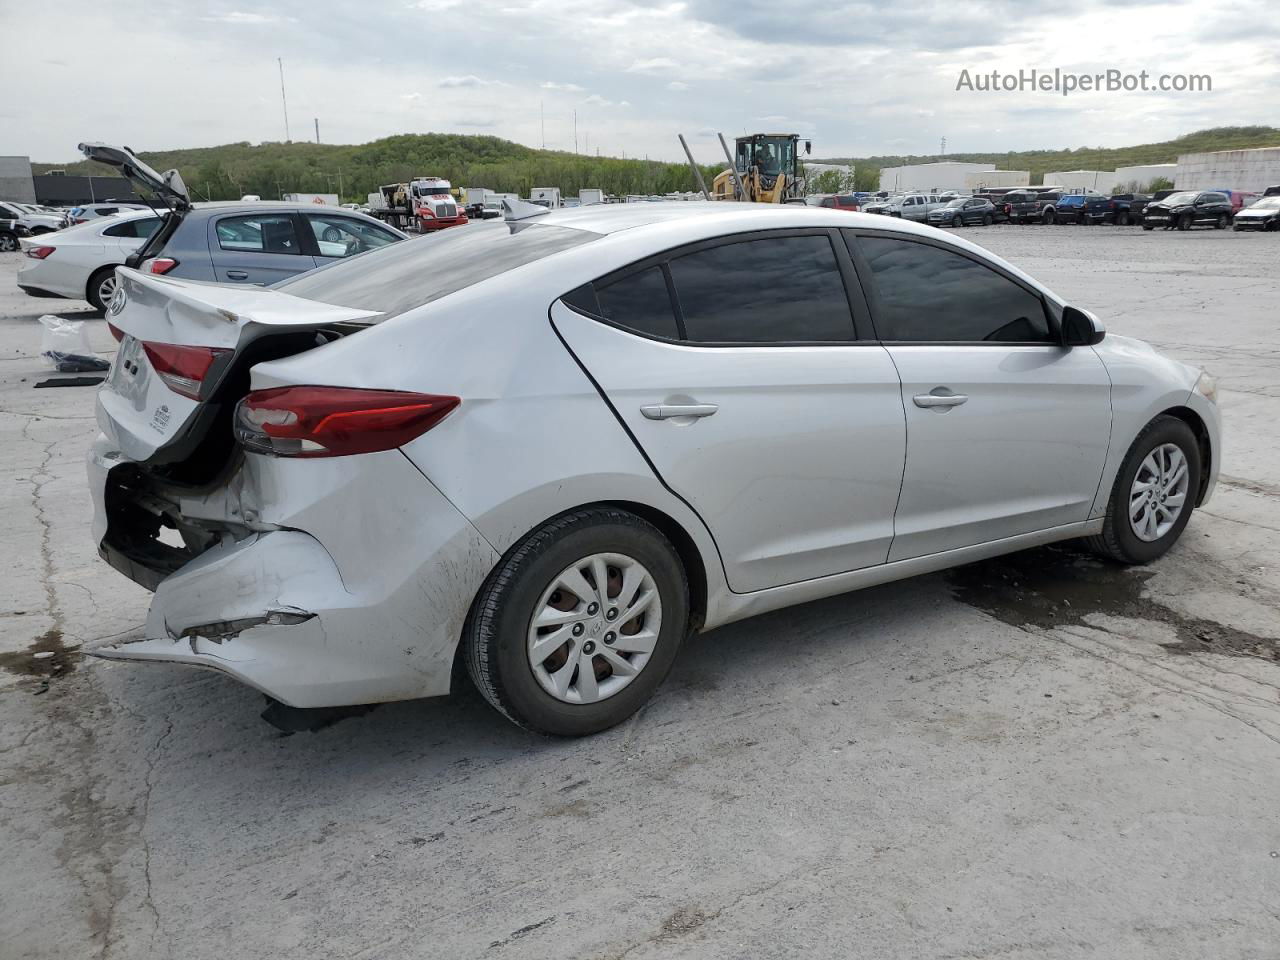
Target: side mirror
x=1080, y=328
x=808, y=147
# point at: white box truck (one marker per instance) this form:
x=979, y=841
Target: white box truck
x=590, y=195
x=545, y=196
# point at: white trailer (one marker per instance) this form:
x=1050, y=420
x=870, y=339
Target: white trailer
x=590, y=195
x=545, y=196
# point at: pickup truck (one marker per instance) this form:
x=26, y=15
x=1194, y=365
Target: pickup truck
x=1031, y=206
x=1129, y=207
x=1086, y=208
x=909, y=206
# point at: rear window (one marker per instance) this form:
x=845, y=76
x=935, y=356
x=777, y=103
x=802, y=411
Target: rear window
x=406, y=275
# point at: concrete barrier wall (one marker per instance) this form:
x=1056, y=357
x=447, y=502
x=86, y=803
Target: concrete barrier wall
x=1229, y=169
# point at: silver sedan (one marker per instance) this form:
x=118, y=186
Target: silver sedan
x=551, y=448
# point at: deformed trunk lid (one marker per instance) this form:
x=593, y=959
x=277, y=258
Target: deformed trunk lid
x=137, y=410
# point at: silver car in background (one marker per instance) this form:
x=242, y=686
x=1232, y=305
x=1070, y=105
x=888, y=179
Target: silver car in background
x=551, y=448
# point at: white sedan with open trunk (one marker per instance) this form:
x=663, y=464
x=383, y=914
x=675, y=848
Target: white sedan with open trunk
x=551, y=448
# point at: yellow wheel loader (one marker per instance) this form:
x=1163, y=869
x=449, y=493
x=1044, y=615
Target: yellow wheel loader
x=764, y=168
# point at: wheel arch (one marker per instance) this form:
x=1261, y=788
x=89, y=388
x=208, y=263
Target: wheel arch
x=1203, y=439
x=687, y=552
x=94, y=280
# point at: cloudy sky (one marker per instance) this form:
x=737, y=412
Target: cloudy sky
x=858, y=78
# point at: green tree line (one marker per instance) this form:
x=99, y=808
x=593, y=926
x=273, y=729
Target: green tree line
x=230, y=171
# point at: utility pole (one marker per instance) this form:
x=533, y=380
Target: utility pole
x=542, y=114
x=317, y=129
x=575, y=131
x=284, y=100
x=944, y=146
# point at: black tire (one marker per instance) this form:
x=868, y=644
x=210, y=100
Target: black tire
x=494, y=638
x=8, y=241
x=1221, y=222
x=92, y=292
x=1122, y=219
x=987, y=220
x=1049, y=217
x=1148, y=226
x=1236, y=227
x=957, y=221
x=40, y=231
x=1184, y=222
x=1117, y=540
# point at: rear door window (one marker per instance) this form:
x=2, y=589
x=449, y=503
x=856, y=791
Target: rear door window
x=640, y=302
x=339, y=236
x=258, y=233
x=770, y=290
x=136, y=229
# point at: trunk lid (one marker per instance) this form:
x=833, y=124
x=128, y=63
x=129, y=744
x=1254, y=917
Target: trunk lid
x=167, y=186
x=185, y=352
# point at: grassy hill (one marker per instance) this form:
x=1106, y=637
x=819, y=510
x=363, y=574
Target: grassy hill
x=270, y=169
x=232, y=170
x=1094, y=158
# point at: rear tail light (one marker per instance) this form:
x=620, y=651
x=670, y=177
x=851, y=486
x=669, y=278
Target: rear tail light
x=115, y=332
x=39, y=253
x=309, y=421
x=184, y=369
x=160, y=265
x=79, y=220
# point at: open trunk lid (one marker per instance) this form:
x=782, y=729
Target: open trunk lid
x=167, y=186
x=185, y=352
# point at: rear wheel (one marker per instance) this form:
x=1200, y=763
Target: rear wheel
x=8, y=242
x=1221, y=222
x=101, y=288
x=957, y=221
x=987, y=220
x=579, y=624
x=1153, y=495
x=1122, y=219
x=1147, y=226
x=1049, y=216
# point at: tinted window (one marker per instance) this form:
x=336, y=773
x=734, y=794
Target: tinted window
x=406, y=275
x=258, y=233
x=106, y=211
x=133, y=228
x=338, y=236
x=774, y=290
x=1214, y=198
x=640, y=302
x=929, y=294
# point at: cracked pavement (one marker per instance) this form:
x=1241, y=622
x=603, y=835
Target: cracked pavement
x=1036, y=757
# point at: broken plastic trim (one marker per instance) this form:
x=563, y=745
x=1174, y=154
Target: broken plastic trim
x=220, y=630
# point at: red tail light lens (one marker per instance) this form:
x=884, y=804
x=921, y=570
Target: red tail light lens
x=39, y=253
x=335, y=421
x=161, y=265
x=183, y=368
x=115, y=332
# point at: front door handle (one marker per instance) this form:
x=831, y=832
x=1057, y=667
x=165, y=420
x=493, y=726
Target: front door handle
x=237, y=275
x=669, y=411
x=939, y=400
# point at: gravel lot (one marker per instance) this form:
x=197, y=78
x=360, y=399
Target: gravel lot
x=1034, y=757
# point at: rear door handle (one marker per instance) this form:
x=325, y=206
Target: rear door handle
x=668, y=411
x=934, y=400
x=237, y=275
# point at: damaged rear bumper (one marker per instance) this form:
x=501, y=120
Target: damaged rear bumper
x=261, y=610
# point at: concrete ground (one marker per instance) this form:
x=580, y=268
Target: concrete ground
x=1033, y=758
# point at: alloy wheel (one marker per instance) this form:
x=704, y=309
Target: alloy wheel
x=1159, y=492
x=594, y=628
x=107, y=288
x=8, y=243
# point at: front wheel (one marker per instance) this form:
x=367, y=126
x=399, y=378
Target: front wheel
x=578, y=625
x=8, y=242
x=1153, y=495
x=1184, y=222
